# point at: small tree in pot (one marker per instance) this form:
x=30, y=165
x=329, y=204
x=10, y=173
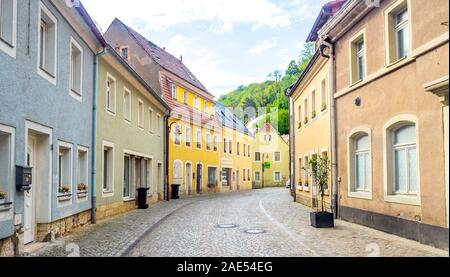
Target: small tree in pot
x=320, y=169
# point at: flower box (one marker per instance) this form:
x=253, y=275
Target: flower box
x=306, y=188
x=64, y=197
x=82, y=194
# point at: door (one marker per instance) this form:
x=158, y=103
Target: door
x=199, y=178
x=29, y=201
x=188, y=179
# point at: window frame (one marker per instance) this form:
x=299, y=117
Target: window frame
x=10, y=48
x=389, y=128
x=354, y=54
x=391, y=42
x=151, y=120
x=198, y=143
x=109, y=191
x=352, y=138
x=141, y=114
x=78, y=95
x=127, y=92
x=176, y=136
x=188, y=131
x=254, y=176
x=43, y=72
x=113, y=111
x=324, y=91
x=159, y=124
x=10, y=183
x=85, y=150
x=275, y=155
x=215, y=143
x=275, y=175
x=130, y=179
x=67, y=147
x=208, y=141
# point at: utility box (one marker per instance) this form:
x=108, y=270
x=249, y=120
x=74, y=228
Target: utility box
x=24, y=178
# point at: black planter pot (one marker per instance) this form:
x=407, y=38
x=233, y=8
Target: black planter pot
x=322, y=220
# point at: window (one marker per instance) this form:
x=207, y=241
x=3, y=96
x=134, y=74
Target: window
x=125, y=53
x=47, y=47
x=173, y=90
x=140, y=114
x=8, y=26
x=313, y=104
x=177, y=172
x=186, y=97
x=188, y=137
x=159, y=124
x=324, y=94
x=277, y=156
x=110, y=94
x=150, y=120
x=127, y=177
x=277, y=176
x=212, y=176
x=300, y=170
x=225, y=145
x=306, y=111
x=238, y=149
x=360, y=164
x=127, y=104
x=300, y=116
x=397, y=31
x=257, y=176
x=215, y=143
x=230, y=146
x=206, y=107
x=248, y=175
x=257, y=156
x=65, y=168
x=196, y=103
x=108, y=167
x=405, y=160
x=243, y=175
x=199, y=139
x=208, y=142
x=358, y=57
x=82, y=168
x=177, y=134
x=6, y=161
x=76, y=68
x=249, y=152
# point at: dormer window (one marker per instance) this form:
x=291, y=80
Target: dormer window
x=125, y=52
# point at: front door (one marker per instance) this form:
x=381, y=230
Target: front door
x=29, y=201
x=199, y=178
x=188, y=179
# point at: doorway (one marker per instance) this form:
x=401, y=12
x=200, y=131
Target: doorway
x=238, y=178
x=159, y=181
x=188, y=179
x=199, y=178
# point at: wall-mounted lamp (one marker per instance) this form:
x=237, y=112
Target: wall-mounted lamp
x=358, y=101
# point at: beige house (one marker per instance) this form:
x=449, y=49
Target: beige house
x=391, y=93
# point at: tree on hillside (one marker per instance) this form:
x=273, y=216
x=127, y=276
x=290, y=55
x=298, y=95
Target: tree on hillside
x=293, y=69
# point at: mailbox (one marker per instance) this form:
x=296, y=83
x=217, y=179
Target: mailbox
x=24, y=178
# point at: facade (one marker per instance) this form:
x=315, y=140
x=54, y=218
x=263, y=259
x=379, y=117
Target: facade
x=130, y=137
x=46, y=92
x=236, y=152
x=391, y=98
x=270, y=158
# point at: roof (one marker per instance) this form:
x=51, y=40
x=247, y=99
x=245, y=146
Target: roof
x=87, y=18
x=327, y=11
x=228, y=119
x=286, y=138
x=164, y=59
x=290, y=90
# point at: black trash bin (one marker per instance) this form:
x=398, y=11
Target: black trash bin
x=142, y=198
x=175, y=191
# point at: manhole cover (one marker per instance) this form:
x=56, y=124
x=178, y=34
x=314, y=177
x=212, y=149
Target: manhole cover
x=227, y=226
x=255, y=231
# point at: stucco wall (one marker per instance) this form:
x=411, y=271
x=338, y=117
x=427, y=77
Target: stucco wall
x=125, y=136
x=398, y=92
x=27, y=96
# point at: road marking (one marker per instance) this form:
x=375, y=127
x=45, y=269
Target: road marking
x=284, y=228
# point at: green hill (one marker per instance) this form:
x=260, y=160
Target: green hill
x=269, y=95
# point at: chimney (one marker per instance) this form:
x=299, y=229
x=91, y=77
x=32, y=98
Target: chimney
x=164, y=48
x=181, y=58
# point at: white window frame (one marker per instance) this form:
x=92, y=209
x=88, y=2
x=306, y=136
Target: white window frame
x=176, y=136
x=159, y=124
x=127, y=93
x=128, y=52
x=254, y=176
x=7, y=213
x=275, y=175
x=108, y=109
x=173, y=90
x=314, y=104
x=41, y=72
x=208, y=142
x=186, y=97
x=151, y=121
x=141, y=114
x=391, y=34
x=389, y=185
x=196, y=102
x=324, y=89
x=85, y=150
x=215, y=143
x=68, y=147
x=108, y=192
x=130, y=177
x=355, y=134
x=197, y=142
x=78, y=95
x=274, y=157
x=354, y=54
x=205, y=109
x=188, y=131
x=11, y=49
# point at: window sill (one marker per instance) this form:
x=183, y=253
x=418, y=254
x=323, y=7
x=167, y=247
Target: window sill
x=77, y=96
x=108, y=193
x=396, y=62
x=110, y=112
x=47, y=76
x=127, y=121
x=403, y=199
x=361, y=195
x=82, y=194
x=356, y=83
x=5, y=206
x=128, y=199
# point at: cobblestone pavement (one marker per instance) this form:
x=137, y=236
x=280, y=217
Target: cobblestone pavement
x=189, y=228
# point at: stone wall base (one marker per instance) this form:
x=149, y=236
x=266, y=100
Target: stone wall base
x=119, y=208
x=50, y=231
x=12, y=246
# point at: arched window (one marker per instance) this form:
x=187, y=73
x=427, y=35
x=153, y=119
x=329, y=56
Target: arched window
x=360, y=163
x=404, y=147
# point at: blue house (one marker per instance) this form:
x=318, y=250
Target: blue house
x=48, y=50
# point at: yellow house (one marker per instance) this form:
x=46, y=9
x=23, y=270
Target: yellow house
x=270, y=158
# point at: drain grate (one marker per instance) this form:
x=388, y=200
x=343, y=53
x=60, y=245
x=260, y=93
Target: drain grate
x=227, y=226
x=255, y=231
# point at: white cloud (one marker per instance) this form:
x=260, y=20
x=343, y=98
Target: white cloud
x=261, y=47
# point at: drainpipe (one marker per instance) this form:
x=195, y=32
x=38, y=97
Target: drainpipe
x=166, y=156
x=334, y=177
x=94, y=140
x=292, y=147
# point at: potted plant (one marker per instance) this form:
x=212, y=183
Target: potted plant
x=64, y=189
x=81, y=188
x=324, y=107
x=300, y=186
x=306, y=187
x=320, y=169
x=2, y=196
x=313, y=114
x=306, y=120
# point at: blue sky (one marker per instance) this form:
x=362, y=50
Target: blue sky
x=226, y=43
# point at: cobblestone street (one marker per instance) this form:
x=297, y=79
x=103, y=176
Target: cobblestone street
x=190, y=228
